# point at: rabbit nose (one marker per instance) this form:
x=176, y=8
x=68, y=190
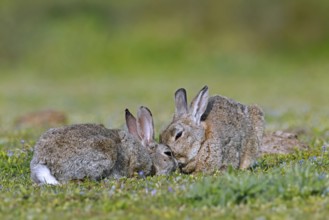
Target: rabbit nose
x=181, y=165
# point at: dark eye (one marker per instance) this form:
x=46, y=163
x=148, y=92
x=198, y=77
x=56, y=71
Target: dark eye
x=178, y=135
x=168, y=153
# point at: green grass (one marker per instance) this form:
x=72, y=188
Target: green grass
x=295, y=186
x=279, y=187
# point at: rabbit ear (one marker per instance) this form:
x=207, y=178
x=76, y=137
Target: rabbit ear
x=180, y=102
x=145, y=125
x=132, y=124
x=199, y=104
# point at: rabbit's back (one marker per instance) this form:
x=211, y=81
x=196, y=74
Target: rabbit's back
x=227, y=118
x=78, y=151
x=225, y=109
x=231, y=127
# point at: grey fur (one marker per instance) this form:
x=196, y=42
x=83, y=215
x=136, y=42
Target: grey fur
x=92, y=151
x=228, y=133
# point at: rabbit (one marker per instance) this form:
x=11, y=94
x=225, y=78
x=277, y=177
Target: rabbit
x=92, y=151
x=281, y=142
x=213, y=133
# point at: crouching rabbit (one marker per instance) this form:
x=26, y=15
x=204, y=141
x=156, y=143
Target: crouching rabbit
x=213, y=133
x=92, y=151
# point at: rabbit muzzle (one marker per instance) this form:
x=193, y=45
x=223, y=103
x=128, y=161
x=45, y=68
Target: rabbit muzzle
x=187, y=167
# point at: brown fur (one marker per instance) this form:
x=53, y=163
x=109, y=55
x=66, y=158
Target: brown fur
x=227, y=134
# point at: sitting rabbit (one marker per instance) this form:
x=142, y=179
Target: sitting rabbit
x=213, y=133
x=92, y=151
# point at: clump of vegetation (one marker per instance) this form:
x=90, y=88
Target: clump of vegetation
x=298, y=180
x=285, y=182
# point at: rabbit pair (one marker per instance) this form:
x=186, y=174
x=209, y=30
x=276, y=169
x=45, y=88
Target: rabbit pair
x=92, y=151
x=213, y=132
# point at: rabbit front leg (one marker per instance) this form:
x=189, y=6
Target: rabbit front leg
x=248, y=155
x=209, y=158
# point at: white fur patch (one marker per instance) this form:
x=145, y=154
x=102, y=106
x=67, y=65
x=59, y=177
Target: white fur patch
x=43, y=175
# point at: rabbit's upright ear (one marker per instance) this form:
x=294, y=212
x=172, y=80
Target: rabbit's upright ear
x=145, y=125
x=180, y=103
x=199, y=104
x=132, y=124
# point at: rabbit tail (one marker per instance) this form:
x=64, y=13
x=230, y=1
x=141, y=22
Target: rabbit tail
x=41, y=175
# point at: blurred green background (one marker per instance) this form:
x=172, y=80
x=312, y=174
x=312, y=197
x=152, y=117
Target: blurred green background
x=92, y=59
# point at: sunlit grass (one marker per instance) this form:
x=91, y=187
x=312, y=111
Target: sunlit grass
x=278, y=187
x=294, y=186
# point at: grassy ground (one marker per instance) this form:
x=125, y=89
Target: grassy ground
x=279, y=187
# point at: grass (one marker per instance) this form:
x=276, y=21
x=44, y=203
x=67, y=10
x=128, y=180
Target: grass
x=279, y=187
x=293, y=186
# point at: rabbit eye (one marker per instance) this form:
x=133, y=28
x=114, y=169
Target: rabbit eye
x=168, y=153
x=178, y=135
